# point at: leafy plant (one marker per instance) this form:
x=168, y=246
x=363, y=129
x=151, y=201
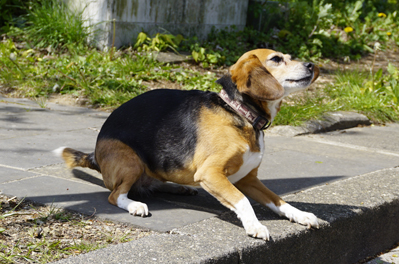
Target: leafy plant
x=160, y=42
x=312, y=29
x=200, y=55
x=225, y=46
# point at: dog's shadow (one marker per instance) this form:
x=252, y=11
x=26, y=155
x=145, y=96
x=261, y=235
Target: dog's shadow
x=206, y=203
x=79, y=174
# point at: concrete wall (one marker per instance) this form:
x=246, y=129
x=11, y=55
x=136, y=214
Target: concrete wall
x=186, y=17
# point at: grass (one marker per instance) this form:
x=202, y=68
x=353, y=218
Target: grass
x=91, y=74
x=108, y=83
x=43, y=234
x=50, y=23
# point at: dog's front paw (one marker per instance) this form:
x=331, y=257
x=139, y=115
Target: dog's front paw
x=137, y=208
x=258, y=230
x=298, y=216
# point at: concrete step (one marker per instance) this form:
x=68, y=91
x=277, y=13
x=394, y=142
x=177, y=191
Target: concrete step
x=360, y=218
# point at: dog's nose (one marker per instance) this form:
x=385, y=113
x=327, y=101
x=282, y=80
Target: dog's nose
x=309, y=65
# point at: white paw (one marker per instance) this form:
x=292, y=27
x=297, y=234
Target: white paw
x=298, y=216
x=137, y=208
x=258, y=230
x=251, y=224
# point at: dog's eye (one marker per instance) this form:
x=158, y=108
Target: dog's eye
x=276, y=59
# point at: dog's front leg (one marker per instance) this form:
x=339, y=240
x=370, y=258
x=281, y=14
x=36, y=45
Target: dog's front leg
x=215, y=182
x=251, y=186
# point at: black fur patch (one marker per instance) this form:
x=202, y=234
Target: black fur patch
x=160, y=126
x=230, y=87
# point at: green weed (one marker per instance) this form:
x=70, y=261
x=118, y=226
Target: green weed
x=160, y=42
x=224, y=46
x=91, y=74
x=375, y=96
x=50, y=23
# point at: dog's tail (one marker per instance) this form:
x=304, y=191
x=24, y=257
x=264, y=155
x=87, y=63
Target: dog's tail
x=74, y=158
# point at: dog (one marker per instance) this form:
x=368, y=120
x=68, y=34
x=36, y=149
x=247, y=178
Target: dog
x=199, y=138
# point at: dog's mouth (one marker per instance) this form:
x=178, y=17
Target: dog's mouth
x=306, y=79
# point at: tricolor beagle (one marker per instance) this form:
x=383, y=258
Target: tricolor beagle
x=201, y=139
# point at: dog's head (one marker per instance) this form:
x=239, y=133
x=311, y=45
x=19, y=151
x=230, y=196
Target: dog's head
x=254, y=80
x=291, y=75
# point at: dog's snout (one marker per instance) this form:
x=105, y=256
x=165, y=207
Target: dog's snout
x=309, y=65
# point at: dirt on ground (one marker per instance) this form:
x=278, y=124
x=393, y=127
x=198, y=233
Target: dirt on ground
x=34, y=233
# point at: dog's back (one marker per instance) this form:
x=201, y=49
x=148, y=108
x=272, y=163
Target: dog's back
x=159, y=125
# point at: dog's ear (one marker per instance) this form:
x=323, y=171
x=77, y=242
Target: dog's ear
x=253, y=79
x=316, y=72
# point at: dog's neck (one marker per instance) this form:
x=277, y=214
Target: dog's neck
x=244, y=105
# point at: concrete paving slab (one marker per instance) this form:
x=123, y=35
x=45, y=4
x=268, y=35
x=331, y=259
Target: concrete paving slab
x=28, y=117
x=91, y=199
x=28, y=133
x=13, y=174
x=83, y=175
x=202, y=201
x=359, y=216
x=292, y=164
x=372, y=137
x=35, y=150
x=28, y=104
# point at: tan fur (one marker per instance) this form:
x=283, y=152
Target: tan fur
x=72, y=160
x=252, y=187
x=252, y=79
x=120, y=167
x=69, y=159
x=279, y=71
x=219, y=153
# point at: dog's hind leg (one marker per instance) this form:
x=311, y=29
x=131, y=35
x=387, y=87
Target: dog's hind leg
x=121, y=167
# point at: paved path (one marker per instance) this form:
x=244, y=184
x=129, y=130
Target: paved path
x=28, y=133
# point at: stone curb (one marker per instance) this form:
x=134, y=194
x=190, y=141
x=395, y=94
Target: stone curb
x=330, y=121
x=359, y=216
x=170, y=57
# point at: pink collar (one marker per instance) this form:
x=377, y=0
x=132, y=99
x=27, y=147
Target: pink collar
x=258, y=121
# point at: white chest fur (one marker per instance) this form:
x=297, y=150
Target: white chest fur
x=251, y=161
